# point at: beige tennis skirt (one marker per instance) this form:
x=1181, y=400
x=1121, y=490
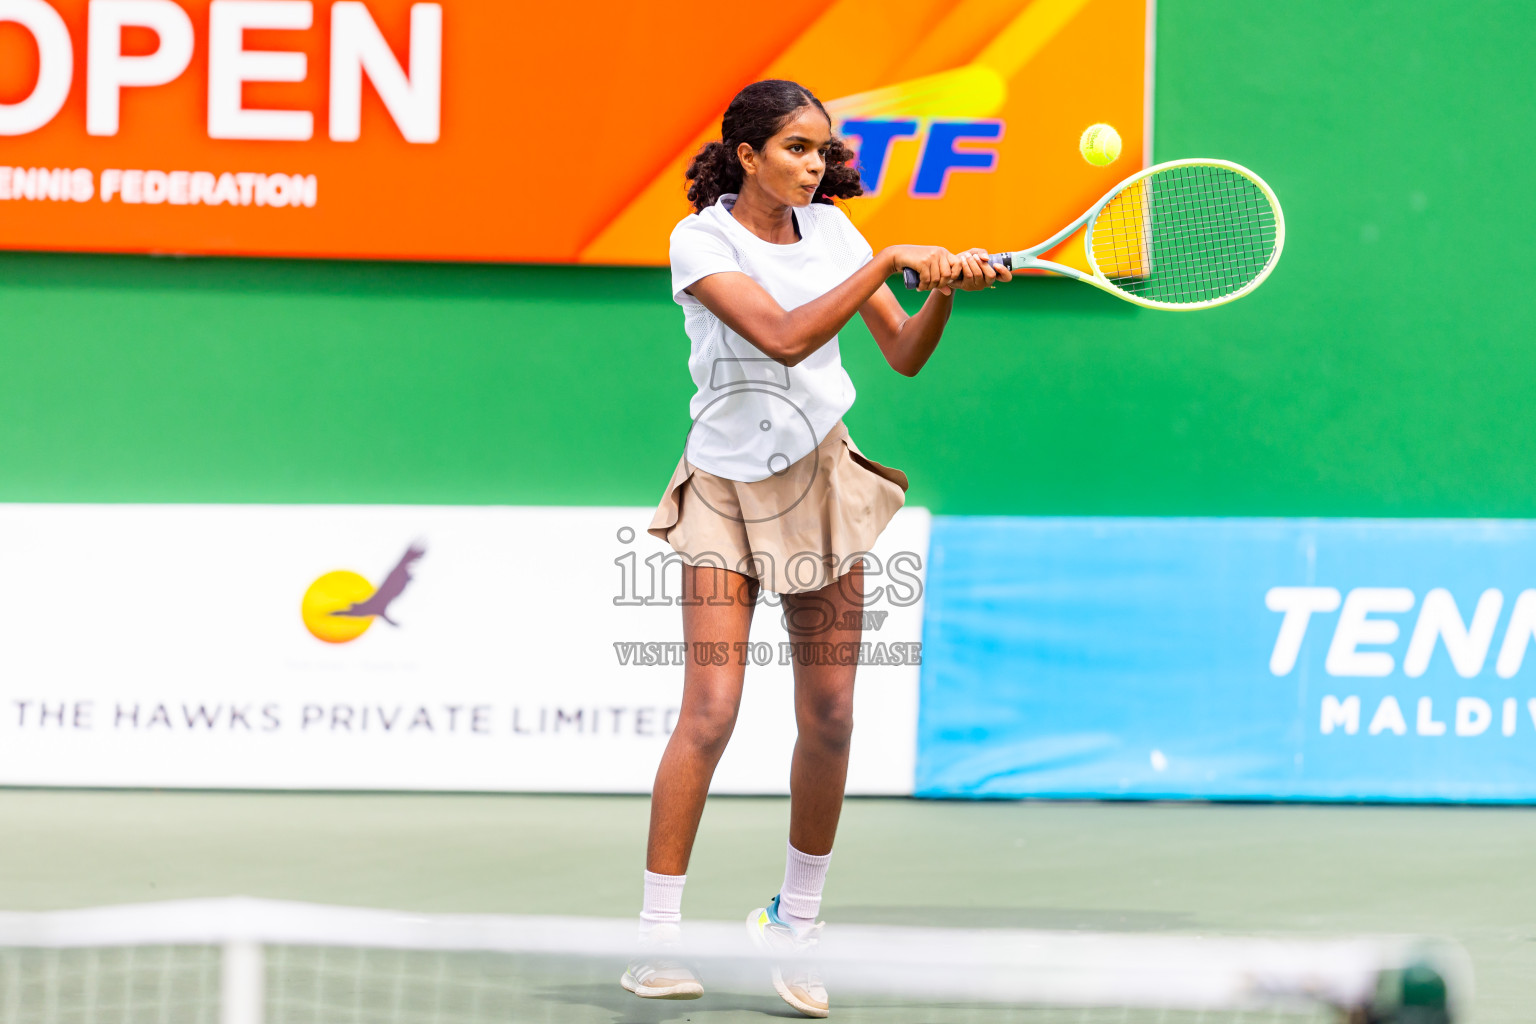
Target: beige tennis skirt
x=795, y=531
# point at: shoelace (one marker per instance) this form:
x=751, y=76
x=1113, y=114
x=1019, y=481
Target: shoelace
x=803, y=969
x=806, y=976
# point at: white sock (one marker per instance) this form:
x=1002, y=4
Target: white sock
x=663, y=902
x=800, y=898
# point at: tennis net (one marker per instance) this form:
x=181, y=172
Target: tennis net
x=242, y=961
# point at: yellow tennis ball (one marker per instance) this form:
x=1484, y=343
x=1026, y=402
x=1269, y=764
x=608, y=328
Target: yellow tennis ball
x=1100, y=145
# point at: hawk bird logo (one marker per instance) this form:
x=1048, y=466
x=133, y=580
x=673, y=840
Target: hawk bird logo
x=377, y=604
x=341, y=605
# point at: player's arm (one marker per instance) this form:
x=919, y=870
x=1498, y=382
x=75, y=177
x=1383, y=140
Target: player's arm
x=788, y=336
x=908, y=341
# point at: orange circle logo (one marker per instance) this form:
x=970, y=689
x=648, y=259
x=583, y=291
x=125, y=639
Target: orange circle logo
x=328, y=597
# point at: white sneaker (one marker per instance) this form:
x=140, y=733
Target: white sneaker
x=796, y=977
x=656, y=972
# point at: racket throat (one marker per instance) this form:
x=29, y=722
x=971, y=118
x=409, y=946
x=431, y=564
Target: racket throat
x=1019, y=261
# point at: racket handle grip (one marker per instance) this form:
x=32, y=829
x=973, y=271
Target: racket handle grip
x=997, y=259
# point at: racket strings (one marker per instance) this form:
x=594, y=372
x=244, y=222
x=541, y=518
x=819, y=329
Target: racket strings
x=1185, y=252
x=1185, y=235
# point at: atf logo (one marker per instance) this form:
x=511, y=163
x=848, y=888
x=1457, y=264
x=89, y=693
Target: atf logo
x=939, y=156
x=915, y=133
x=340, y=606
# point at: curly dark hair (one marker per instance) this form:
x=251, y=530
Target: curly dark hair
x=757, y=114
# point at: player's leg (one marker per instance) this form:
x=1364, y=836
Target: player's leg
x=717, y=609
x=826, y=628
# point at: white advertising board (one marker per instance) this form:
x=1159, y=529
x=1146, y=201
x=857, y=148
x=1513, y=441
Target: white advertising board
x=167, y=646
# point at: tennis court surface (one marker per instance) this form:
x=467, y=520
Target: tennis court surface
x=1315, y=872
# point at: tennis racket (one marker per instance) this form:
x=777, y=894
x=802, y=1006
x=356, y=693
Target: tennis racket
x=1184, y=235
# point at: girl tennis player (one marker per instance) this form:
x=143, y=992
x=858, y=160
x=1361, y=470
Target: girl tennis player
x=772, y=494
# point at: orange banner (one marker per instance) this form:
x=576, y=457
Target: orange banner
x=496, y=131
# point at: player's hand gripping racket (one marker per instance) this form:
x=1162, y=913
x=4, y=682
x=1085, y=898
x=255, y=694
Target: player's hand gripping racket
x=1188, y=234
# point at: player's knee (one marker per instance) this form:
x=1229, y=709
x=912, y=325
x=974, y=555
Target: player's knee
x=708, y=723
x=829, y=727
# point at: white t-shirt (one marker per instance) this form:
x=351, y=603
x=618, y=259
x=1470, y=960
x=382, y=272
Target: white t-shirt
x=753, y=416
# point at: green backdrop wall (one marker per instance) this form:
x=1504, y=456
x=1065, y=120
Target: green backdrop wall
x=1386, y=369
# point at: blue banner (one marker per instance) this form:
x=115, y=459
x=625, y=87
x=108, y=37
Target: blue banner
x=1228, y=658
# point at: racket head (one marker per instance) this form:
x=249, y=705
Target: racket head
x=1186, y=235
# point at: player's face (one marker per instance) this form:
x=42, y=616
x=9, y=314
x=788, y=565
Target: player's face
x=790, y=166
